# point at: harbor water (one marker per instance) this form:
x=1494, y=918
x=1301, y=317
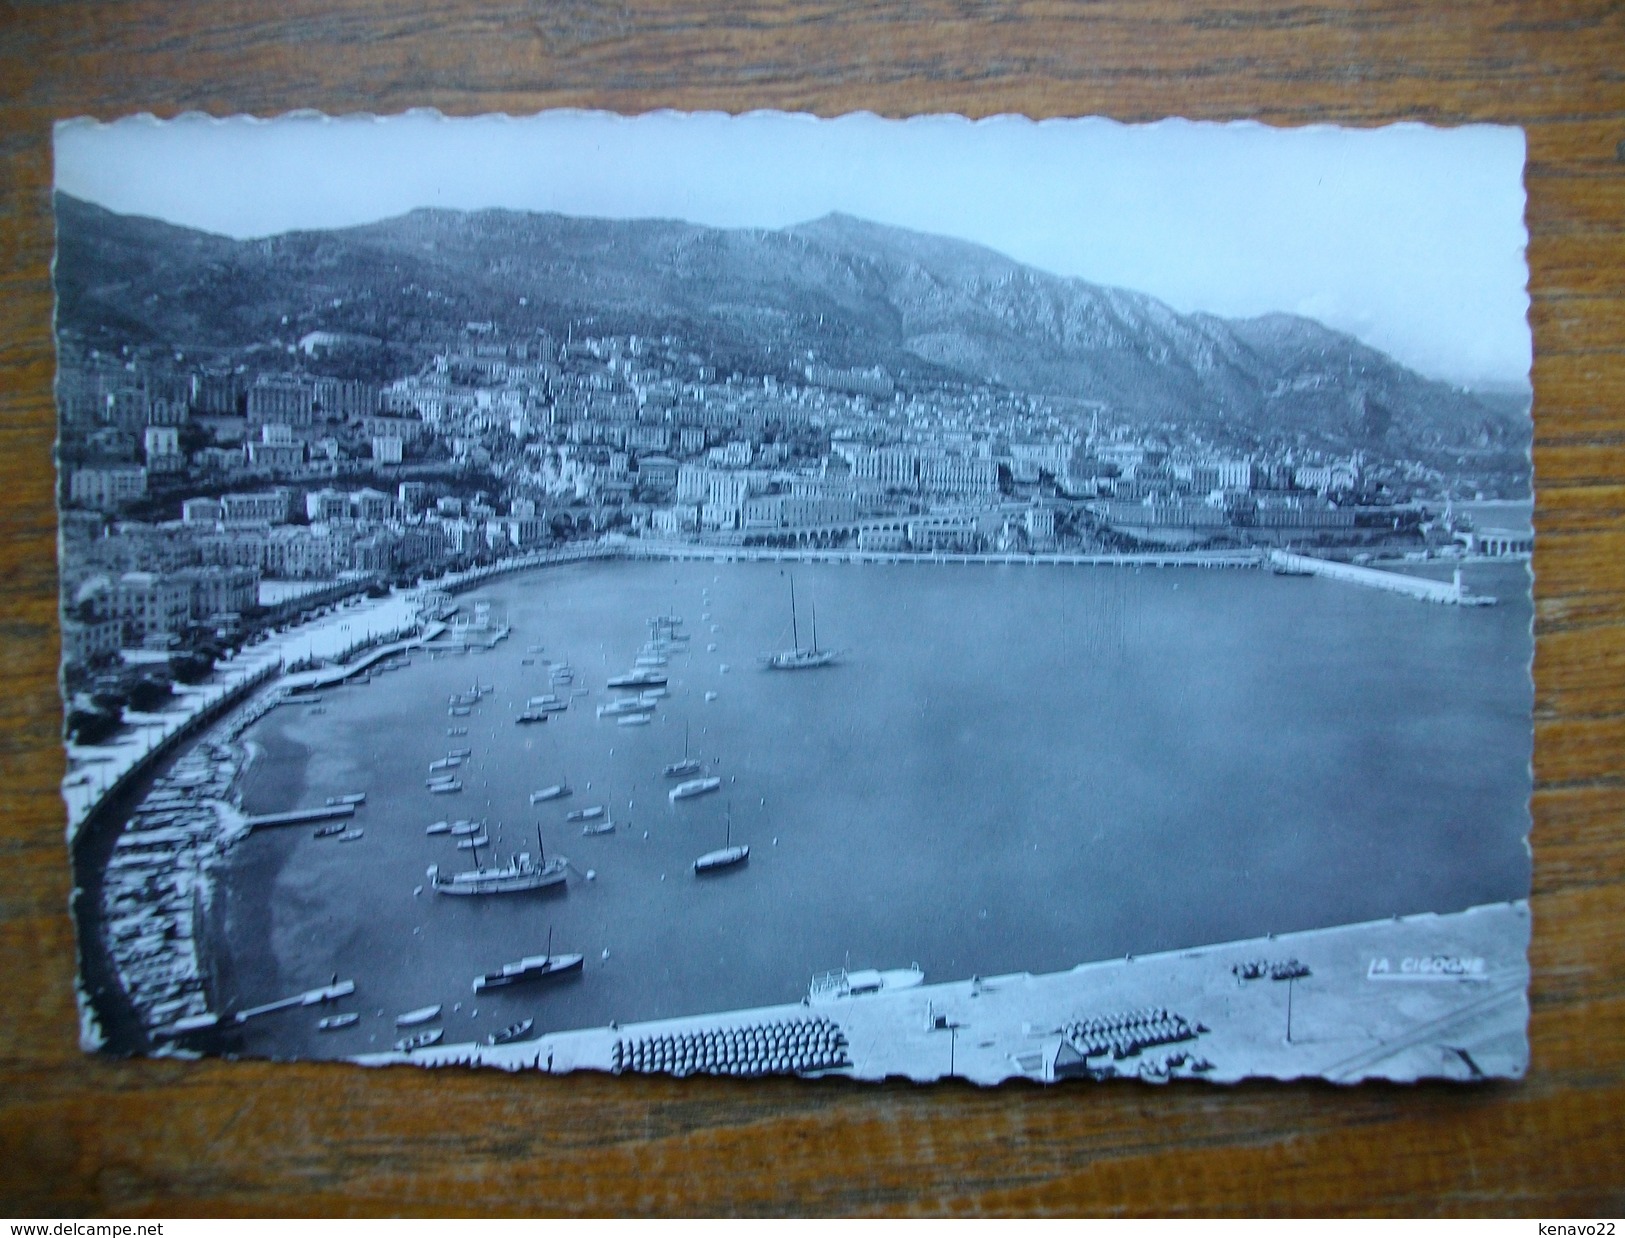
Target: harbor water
x=1008, y=768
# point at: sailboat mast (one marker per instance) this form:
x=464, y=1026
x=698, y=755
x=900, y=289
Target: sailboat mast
x=815, y=625
x=540, y=855
x=795, y=636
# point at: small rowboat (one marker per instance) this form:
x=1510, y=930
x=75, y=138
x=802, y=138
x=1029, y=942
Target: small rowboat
x=421, y=1041
x=414, y=1017
x=511, y=1033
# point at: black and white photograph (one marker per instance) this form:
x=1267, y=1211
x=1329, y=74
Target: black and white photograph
x=746, y=595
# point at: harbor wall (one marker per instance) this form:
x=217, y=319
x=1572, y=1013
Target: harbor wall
x=1446, y=593
x=770, y=554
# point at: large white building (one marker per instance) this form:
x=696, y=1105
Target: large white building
x=931, y=472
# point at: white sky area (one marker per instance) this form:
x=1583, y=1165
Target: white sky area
x=1408, y=237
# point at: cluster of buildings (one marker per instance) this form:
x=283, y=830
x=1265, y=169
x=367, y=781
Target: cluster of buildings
x=187, y=484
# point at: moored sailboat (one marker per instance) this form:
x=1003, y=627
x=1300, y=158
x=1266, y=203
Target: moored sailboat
x=688, y=766
x=726, y=856
x=796, y=658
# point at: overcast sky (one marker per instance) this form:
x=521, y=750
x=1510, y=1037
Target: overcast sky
x=1408, y=237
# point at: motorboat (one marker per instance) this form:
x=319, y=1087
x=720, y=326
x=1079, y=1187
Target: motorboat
x=646, y=677
x=519, y=875
x=531, y=967
x=334, y=1022
x=622, y=705
x=833, y=986
x=694, y=786
x=557, y=791
x=585, y=814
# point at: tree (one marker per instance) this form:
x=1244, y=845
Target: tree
x=192, y=667
x=91, y=726
x=150, y=695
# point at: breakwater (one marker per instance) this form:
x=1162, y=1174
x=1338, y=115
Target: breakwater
x=1444, y=593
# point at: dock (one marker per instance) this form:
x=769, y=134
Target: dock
x=299, y=816
x=310, y=997
x=1418, y=996
x=1444, y=593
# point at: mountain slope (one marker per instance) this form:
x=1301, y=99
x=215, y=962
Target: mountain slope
x=850, y=291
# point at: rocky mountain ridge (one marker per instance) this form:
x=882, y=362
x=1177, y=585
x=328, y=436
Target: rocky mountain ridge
x=844, y=291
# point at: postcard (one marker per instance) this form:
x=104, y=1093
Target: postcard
x=751, y=595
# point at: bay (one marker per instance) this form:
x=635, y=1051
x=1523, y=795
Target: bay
x=1008, y=768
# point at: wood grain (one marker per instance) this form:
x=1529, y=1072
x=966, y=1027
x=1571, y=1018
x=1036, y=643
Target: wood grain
x=81, y=1135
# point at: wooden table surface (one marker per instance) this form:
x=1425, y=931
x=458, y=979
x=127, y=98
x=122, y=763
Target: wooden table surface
x=80, y=1135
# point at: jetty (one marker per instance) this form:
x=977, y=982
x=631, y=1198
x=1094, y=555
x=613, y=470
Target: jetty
x=299, y=816
x=310, y=997
x=1444, y=593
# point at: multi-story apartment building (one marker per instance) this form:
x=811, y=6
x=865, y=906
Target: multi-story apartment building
x=216, y=394
x=264, y=507
x=202, y=511
x=148, y=605
x=932, y=472
x=108, y=487
x=217, y=591
x=285, y=399
x=338, y=400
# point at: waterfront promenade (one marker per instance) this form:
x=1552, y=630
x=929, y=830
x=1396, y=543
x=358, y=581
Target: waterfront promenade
x=1415, y=996
x=97, y=771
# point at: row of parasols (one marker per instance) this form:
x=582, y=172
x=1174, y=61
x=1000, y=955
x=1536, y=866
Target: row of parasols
x=786, y=1046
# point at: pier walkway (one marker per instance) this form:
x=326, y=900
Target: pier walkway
x=1445, y=593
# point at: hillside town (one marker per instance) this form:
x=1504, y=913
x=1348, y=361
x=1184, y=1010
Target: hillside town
x=206, y=500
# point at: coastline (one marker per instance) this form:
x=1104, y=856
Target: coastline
x=221, y=913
